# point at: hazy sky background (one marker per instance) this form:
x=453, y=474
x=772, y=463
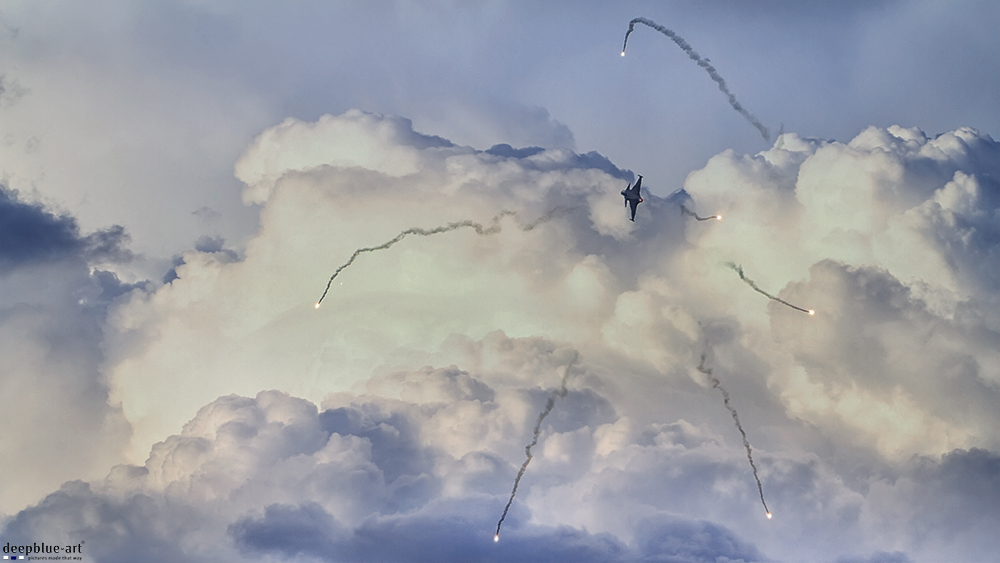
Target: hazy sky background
x=180, y=179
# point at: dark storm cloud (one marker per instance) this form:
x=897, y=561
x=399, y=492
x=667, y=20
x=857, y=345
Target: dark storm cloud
x=943, y=501
x=671, y=538
x=451, y=537
x=878, y=557
x=954, y=498
x=291, y=531
x=53, y=306
x=111, y=529
x=107, y=245
x=454, y=532
x=29, y=234
x=445, y=533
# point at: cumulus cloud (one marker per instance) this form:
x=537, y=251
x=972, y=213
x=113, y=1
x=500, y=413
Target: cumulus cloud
x=905, y=322
x=387, y=145
x=302, y=240
x=406, y=401
x=57, y=419
x=369, y=476
x=365, y=477
x=933, y=499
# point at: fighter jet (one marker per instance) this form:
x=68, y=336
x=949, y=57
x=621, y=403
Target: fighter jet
x=632, y=197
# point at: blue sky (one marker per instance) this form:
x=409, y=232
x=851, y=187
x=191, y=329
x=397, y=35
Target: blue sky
x=180, y=179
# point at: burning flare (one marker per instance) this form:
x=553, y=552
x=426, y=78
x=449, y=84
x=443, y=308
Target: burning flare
x=697, y=217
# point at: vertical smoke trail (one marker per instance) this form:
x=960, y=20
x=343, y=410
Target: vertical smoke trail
x=736, y=418
x=551, y=402
x=493, y=229
x=750, y=282
x=703, y=63
x=687, y=211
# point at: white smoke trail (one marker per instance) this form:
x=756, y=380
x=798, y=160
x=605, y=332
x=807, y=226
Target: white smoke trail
x=750, y=282
x=697, y=217
x=703, y=63
x=549, y=404
x=493, y=229
x=736, y=418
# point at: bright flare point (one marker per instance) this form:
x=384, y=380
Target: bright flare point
x=811, y=312
x=768, y=515
x=623, y=53
x=317, y=305
x=496, y=538
x=718, y=217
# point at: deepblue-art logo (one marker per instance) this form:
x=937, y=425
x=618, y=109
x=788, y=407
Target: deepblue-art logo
x=66, y=551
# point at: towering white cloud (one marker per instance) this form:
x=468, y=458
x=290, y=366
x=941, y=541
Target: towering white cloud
x=225, y=327
x=401, y=408
x=895, y=231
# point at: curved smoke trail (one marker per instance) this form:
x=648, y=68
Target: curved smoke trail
x=736, y=418
x=687, y=211
x=494, y=228
x=703, y=63
x=750, y=282
x=549, y=404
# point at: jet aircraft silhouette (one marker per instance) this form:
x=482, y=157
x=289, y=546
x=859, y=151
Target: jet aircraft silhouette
x=632, y=196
